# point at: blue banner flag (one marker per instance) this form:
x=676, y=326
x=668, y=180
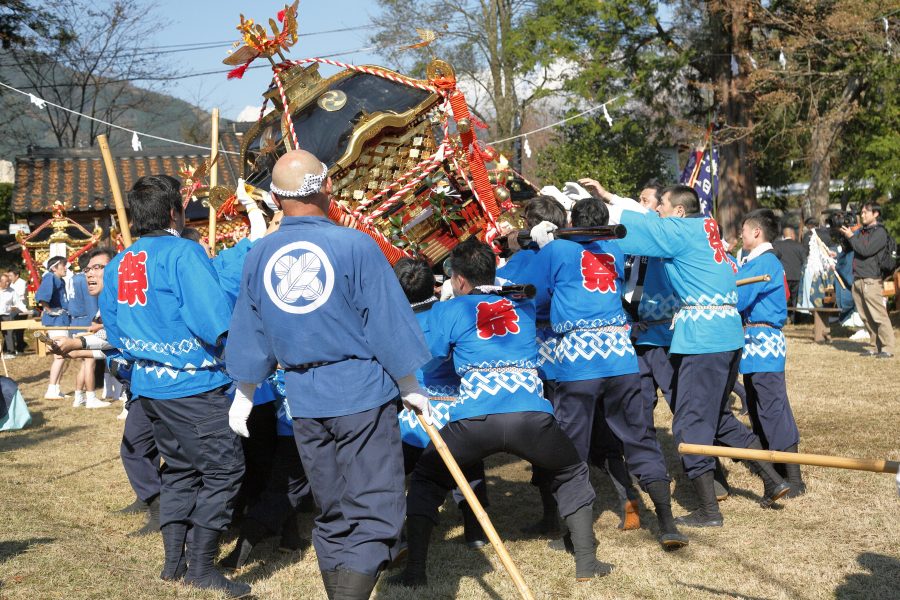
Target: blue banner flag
x=707, y=182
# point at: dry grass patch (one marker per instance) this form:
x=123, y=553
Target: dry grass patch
x=61, y=478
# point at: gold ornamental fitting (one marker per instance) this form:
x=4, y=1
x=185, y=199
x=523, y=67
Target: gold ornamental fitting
x=439, y=69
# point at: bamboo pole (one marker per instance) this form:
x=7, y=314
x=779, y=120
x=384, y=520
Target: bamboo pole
x=815, y=460
x=476, y=507
x=213, y=178
x=755, y=279
x=114, y=187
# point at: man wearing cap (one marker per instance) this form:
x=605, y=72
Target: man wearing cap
x=51, y=297
x=321, y=300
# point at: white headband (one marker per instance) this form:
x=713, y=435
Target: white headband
x=311, y=185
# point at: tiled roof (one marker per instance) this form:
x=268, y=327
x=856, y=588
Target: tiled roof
x=77, y=177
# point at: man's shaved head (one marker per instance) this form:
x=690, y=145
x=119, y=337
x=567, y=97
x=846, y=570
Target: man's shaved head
x=295, y=179
x=293, y=167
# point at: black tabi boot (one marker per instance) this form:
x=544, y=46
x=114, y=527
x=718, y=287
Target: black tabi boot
x=720, y=482
x=202, y=574
x=135, y=508
x=173, y=535
x=472, y=531
x=581, y=531
x=418, y=536
x=708, y=514
x=353, y=586
x=152, y=524
x=291, y=540
x=774, y=487
x=329, y=580
x=548, y=525
x=793, y=476
x=252, y=533
x=669, y=536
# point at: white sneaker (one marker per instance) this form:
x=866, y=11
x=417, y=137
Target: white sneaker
x=79, y=400
x=862, y=334
x=123, y=415
x=95, y=403
x=52, y=393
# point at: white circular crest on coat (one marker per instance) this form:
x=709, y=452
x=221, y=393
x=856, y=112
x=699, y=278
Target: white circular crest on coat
x=297, y=278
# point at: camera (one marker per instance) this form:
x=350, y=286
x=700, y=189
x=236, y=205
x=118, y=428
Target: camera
x=838, y=219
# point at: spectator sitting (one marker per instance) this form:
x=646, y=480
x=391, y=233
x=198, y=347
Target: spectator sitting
x=10, y=308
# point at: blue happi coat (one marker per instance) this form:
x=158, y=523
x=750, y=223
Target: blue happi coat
x=82, y=306
x=228, y=265
x=439, y=380
x=702, y=276
x=656, y=308
x=491, y=341
x=322, y=301
x=517, y=270
x=582, y=285
x=162, y=306
x=53, y=291
x=763, y=307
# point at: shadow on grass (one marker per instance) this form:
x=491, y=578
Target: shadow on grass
x=882, y=580
x=727, y=593
x=12, y=548
x=31, y=436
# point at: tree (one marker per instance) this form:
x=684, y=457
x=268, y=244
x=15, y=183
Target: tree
x=619, y=157
x=21, y=21
x=486, y=42
x=89, y=70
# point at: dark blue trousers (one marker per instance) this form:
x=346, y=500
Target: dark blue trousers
x=140, y=457
x=204, y=460
x=702, y=415
x=258, y=449
x=474, y=475
x=284, y=488
x=770, y=412
x=657, y=373
x=355, y=468
x=620, y=400
x=532, y=436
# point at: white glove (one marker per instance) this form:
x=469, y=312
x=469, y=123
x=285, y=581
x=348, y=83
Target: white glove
x=414, y=398
x=542, y=233
x=240, y=409
x=244, y=198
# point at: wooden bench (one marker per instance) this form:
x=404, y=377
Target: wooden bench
x=36, y=325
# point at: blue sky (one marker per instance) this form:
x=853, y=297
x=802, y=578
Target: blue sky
x=197, y=21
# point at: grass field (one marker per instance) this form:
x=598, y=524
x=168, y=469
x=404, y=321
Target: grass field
x=61, y=478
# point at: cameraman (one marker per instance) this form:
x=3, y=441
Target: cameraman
x=868, y=244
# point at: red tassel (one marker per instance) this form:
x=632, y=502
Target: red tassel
x=239, y=72
x=281, y=15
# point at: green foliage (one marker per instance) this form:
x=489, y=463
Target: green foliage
x=6, y=193
x=621, y=158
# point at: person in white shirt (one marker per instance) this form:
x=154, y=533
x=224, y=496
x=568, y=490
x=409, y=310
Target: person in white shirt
x=10, y=307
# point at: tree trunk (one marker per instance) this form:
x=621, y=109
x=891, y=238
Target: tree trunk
x=737, y=175
x=826, y=131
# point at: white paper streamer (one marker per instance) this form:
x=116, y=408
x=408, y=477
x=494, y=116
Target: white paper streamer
x=735, y=67
x=606, y=116
x=782, y=60
x=527, y=148
x=37, y=101
x=136, y=142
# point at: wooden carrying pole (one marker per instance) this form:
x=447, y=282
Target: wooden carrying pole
x=213, y=178
x=114, y=186
x=756, y=279
x=476, y=507
x=815, y=460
